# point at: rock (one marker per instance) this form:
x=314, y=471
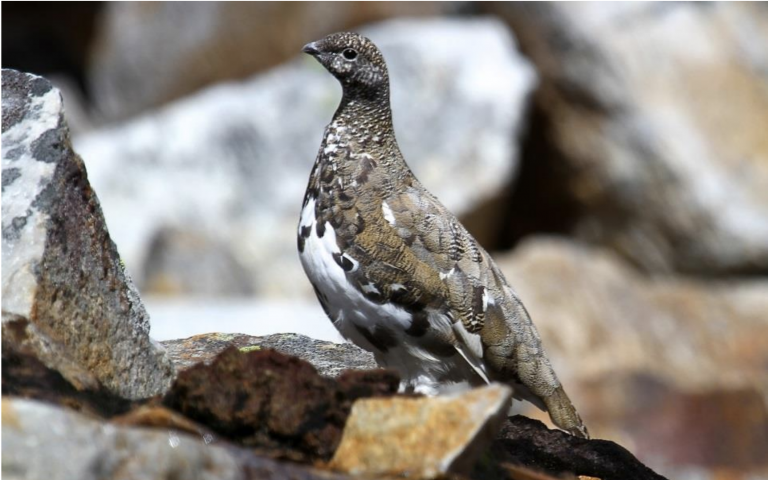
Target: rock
x=399, y=436
x=146, y=55
x=65, y=294
x=230, y=164
x=155, y=416
x=54, y=44
x=277, y=404
x=527, y=442
x=26, y=376
x=181, y=317
x=598, y=316
x=186, y=262
x=718, y=429
x=514, y=472
x=45, y=441
x=656, y=119
x=635, y=353
x=329, y=358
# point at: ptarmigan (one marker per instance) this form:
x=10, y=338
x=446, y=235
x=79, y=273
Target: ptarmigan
x=394, y=270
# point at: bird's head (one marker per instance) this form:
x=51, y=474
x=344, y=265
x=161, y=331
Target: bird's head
x=354, y=60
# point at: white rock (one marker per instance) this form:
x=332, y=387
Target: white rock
x=232, y=162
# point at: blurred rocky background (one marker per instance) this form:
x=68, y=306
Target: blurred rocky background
x=612, y=157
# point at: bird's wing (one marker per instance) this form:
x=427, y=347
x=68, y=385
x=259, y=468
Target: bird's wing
x=404, y=247
x=494, y=331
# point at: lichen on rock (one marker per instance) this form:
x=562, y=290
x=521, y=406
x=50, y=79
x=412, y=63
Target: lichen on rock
x=61, y=271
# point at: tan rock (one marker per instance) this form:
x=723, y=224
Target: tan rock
x=598, y=316
x=673, y=369
x=421, y=437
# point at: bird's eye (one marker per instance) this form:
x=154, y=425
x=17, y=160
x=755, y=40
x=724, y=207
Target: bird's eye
x=349, y=54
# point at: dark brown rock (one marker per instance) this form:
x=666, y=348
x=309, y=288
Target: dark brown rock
x=529, y=443
x=26, y=376
x=275, y=403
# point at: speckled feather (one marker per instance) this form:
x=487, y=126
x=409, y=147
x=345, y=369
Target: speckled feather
x=394, y=270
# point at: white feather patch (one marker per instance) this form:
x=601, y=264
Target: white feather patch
x=443, y=276
x=388, y=215
x=308, y=214
x=470, y=346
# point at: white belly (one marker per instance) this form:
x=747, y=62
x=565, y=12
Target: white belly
x=347, y=306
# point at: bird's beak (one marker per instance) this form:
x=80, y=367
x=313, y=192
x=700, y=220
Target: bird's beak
x=311, y=48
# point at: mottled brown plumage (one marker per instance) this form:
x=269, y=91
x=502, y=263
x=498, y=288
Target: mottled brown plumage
x=394, y=270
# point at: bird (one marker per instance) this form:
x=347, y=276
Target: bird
x=394, y=270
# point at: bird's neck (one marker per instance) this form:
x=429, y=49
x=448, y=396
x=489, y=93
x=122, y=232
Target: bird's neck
x=371, y=112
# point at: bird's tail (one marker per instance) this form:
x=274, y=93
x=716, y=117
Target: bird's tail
x=564, y=414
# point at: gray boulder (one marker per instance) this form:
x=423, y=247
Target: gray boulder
x=45, y=441
x=65, y=294
x=657, y=114
x=231, y=163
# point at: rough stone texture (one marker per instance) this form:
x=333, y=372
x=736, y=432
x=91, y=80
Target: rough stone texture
x=399, y=436
x=26, y=376
x=330, y=359
x=527, y=442
x=657, y=117
x=231, y=163
x=148, y=54
x=45, y=441
x=277, y=404
x=671, y=368
x=61, y=272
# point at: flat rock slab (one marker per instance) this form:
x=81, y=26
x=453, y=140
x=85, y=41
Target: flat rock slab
x=65, y=294
x=421, y=437
x=329, y=358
